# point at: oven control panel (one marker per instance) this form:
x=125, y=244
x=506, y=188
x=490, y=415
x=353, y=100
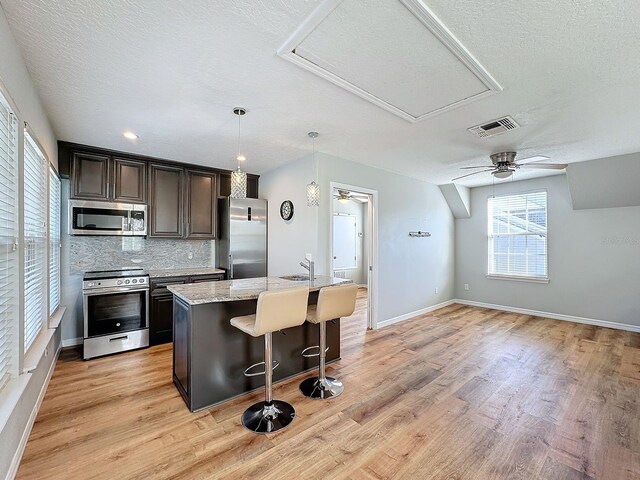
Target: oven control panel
x=130, y=282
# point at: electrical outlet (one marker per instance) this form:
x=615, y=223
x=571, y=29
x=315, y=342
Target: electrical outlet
x=436, y=290
x=190, y=255
x=466, y=286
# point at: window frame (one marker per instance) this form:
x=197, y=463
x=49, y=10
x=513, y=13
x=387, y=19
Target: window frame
x=13, y=347
x=52, y=315
x=488, y=236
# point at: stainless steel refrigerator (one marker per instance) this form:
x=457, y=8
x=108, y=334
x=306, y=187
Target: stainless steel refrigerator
x=242, y=240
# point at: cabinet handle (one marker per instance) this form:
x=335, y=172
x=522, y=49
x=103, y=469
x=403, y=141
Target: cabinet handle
x=231, y=267
x=119, y=338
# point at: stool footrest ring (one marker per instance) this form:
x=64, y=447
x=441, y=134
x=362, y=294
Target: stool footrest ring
x=309, y=355
x=247, y=372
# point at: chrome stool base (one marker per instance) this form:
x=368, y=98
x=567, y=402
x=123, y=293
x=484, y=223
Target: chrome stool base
x=321, y=389
x=264, y=418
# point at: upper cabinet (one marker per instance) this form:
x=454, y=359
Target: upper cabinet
x=181, y=199
x=183, y=202
x=129, y=180
x=202, y=192
x=166, y=212
x=102, y=177
x=90, y=175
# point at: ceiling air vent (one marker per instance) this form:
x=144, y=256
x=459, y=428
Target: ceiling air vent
x=494, y=127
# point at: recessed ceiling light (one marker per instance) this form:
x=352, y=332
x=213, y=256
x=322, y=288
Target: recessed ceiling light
x=130, y=135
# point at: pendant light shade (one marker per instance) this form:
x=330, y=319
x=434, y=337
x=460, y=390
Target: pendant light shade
x=238, y=184
x=239, y=177
x=313, y=194
x=313, y=189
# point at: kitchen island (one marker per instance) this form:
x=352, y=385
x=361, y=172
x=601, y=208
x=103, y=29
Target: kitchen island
x=210, y=356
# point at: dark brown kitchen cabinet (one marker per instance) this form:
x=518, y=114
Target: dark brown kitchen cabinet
x=90, y=176
x=166, y=191
x=161, y=308
x=129, y=180
x=102, y=177
x=200, y=206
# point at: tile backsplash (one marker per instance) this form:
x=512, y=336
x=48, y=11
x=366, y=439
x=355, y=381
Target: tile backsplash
x=106, y=253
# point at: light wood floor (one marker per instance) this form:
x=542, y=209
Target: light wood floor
x=461, y=393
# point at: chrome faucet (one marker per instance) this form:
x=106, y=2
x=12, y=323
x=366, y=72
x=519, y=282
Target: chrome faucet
x=310, y=267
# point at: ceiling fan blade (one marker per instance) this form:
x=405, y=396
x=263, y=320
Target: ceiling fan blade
x=469, y=174
x=480, y=166
x=535, y=158
x=552, y=166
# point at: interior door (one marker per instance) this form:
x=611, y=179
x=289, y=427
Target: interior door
x=344, y=241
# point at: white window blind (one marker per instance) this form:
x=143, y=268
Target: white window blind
x=8, y=242
x=54, y=241
x=35, y=240
x=518, y=235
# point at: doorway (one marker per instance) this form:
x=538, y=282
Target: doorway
x=353, y=253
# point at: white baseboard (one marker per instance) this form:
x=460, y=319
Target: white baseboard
x=71, y=342
x=15, y=463
x=555, y=316
x=409, y=315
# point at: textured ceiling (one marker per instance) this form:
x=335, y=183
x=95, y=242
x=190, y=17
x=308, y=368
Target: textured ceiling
x=391, y=55
x=171, y=71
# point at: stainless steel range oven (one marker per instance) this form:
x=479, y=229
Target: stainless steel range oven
x=116, y=311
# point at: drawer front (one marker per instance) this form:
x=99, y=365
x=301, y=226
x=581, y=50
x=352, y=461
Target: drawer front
x=159, y=285
x=120, y=342
x=207, y=278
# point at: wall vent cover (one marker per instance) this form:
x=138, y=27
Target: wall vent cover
x=494, y=127
x=339, y=274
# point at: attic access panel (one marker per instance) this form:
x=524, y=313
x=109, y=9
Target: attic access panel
x=394, y=53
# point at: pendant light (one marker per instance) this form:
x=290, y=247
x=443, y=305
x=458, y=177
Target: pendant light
x=238, y=177
x=313, y=189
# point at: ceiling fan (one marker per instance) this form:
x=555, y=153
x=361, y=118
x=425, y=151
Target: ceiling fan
x=504, y=165
x=343, y=196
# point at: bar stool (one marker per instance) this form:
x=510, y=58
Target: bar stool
x=333, y=302
x=276, y=310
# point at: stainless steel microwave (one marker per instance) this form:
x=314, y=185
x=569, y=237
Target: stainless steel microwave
x=105, y=218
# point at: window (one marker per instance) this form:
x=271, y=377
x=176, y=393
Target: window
x=54, y=241
x=35, y=240
x=8, y=242
x=518, y=236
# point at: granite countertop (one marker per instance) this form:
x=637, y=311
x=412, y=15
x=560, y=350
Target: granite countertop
x=183, y=272
x=244, y=289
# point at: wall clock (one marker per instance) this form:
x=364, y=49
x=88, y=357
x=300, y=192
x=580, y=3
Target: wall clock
x=286, y=210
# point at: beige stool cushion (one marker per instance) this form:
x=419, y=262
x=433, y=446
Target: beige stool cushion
x=333, y=302
x=276, y=310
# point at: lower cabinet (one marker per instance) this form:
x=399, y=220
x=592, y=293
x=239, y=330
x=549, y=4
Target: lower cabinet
x=161, y=308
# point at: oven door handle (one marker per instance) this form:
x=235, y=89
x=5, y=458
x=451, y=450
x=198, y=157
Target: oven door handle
x=107, y=291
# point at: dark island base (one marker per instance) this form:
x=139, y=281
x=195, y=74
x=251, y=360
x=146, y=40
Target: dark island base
x=210, y=356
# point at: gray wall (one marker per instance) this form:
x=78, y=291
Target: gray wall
x=594, y=258
x=409, y=269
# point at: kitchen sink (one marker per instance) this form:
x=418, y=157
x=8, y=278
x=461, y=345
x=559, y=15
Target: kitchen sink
x=296, y=278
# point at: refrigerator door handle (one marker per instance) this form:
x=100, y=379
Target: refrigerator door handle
x=230, y=267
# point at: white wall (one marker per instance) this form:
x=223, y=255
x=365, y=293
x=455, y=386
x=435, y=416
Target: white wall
x=409, y=269
x=594, y=258
x=16, y=83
